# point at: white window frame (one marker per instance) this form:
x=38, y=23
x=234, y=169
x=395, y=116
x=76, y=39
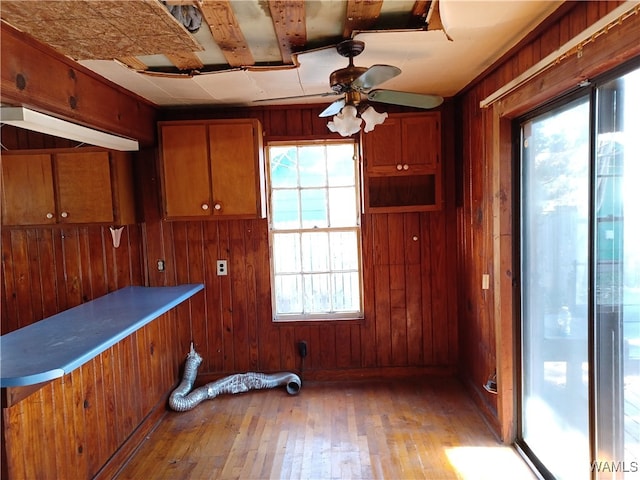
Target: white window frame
x=314, y=316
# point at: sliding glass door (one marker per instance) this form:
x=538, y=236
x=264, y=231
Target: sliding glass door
x=580, y=289
x=555, y=251
x=617, y=277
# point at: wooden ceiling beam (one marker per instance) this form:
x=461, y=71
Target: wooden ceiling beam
x=290, y=25
x=420, y=10
x=361, y=15
x=185, y=60
x=225, y=30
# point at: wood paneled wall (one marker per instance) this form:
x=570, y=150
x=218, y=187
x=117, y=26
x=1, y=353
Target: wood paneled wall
x=50, y=269
x=410, y=302
x=488, y=329
x=71, y=427
x=409, y=285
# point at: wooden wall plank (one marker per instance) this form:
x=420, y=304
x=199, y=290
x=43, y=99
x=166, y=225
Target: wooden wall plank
x=252, y=266
x=196, y=264
x=22, y=290
x=214, y=360
x=238, y=278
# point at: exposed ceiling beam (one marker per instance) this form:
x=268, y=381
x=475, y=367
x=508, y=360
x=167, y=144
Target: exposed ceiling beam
x=225, y=29
x=361, y=15
x=420, y=8
x=289, y=23
x=185, y=60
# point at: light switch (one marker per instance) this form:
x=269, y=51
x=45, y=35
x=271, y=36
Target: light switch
x=485, y=281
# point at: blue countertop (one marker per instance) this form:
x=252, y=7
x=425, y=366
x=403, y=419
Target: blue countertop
x=57, y=345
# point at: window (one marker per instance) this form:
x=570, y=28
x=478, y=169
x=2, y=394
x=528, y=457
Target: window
x=314, y=230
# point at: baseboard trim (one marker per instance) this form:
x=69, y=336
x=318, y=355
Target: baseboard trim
x=378, y=373
x=486, y=410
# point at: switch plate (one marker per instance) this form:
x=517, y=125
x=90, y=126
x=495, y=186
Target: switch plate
x=485, y=281
x=221, y=267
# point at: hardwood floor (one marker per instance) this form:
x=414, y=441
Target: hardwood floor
x=425, y=428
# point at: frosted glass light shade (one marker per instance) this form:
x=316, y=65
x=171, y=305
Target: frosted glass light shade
x=372, y=118
x=346, y=123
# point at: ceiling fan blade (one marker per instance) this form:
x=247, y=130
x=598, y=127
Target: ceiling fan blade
x=375, y=75
x=293, y=97
x=406, y=99
x=334, y=108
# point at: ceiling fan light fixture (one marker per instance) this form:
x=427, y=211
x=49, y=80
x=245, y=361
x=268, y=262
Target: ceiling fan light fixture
x=347, y=122
x=372, y=118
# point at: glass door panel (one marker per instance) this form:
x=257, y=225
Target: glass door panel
x=617, y=278
x=555, y=272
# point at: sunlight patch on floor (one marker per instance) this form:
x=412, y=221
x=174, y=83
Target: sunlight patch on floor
x=488, y=463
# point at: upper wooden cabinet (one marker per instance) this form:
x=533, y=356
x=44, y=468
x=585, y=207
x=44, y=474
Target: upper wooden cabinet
x=212, y=169
x=67, y=186
x=402, y=167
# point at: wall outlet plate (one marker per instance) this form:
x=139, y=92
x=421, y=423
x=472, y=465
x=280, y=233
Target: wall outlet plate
x=221, y=267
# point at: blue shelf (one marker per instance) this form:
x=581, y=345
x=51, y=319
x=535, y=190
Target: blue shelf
x=55, y=346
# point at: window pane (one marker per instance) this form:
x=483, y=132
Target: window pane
x=286, y=253
x=317, y=296
x=314, y=208
x=340, y=162
x=346, y=287
x=286, y=211
x=342, y=207
x=284, y=167
x=344, y=251
x=315, y=252
x=313, y=166
x=289, y=294
x=555, y=249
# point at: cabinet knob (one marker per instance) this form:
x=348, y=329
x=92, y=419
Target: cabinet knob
x=64, y=214
x=398, y=167
x=217, y=206
x=49, y=215
x=405, y=167
x=415, y=238
x=204, y=206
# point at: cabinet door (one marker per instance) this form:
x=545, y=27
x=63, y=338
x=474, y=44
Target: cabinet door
x=421, y=142
x=185, y=164
x=383, y=147
x=84, y=187
x=234, y=169
x=27, y=190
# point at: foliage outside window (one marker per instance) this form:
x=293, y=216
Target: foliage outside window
x=314, y=230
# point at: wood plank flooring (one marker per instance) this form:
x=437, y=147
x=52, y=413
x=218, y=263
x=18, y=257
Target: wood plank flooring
x=426, y=428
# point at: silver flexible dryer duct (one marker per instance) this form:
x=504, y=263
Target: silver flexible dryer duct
x=183, y=398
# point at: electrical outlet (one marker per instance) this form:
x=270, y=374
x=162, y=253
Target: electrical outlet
x=221, y=267
x=160, y=265
x=302, y=348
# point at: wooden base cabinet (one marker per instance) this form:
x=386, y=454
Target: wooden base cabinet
x=67, y=186
x=212, y=169
x=402, y=164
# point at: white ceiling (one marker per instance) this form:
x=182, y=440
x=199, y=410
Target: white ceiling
x=441, y=61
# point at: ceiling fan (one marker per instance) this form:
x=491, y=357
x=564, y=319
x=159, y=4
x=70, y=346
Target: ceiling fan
x=356, y=85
